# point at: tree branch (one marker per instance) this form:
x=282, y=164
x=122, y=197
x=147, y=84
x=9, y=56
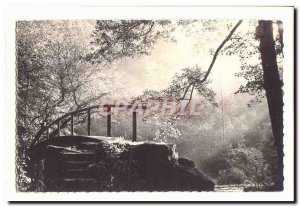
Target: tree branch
x=219, y=49
x=191, y=96
x=198, y=81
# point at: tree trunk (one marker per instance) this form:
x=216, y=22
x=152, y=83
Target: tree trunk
x=274, y=94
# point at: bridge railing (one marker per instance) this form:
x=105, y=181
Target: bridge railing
x=69, y=118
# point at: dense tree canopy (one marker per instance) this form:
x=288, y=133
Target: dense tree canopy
x=52, y=74
x=126, y=38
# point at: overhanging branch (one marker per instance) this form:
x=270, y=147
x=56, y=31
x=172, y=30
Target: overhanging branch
x=219, y=49
x=198, y=81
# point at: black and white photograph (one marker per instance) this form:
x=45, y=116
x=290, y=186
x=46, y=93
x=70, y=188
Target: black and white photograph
x=153, y=105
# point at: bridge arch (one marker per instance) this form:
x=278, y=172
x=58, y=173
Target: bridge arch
x=62, y=121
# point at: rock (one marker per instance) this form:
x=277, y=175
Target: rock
x=123, y=166
x=157, y=167
x=186, y=162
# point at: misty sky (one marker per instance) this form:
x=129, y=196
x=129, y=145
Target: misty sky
x=131, y=76
x=155, y=71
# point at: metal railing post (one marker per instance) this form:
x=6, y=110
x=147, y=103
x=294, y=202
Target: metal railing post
x=89, y=122
x=134, y=125
x=47, y=131
x=58, y=128
x=109, y=121
x=72, y=124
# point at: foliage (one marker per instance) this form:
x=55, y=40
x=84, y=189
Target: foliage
x=166, y=131
x=232, y=176
x=177, y=89
x=245, y=45
x=253, y=74
x=52, y=75
x=179, y=83
x=252, y=159
x=113, y=40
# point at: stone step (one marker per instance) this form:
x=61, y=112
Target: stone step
x=78, y=164
x=74, y=156
x=78, y=184
x=79, y=173
x=88, y=145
